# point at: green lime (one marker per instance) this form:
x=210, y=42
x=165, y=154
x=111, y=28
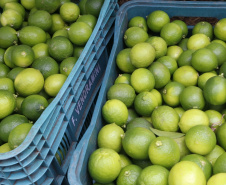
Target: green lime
x=14, y=72
x=182, y=146
x=40, y=50
x=198, y=41
x=204, y=28
x=165, y=118
x=214, y=154
x=136, y=142
x=60, y=48
x=203, y=79
x=3, y=2
x=7, y=84
x=131, y=115
x=93, y=7
x=125, y=160
x=62, y=32
x=174, y=52
x=220, y=29
x=82, y=6
x=169, y=62
x=48, y=5
x=164, y=151
x=123, y=92
x=219, y=179
x=8, y=37
x=31, y=35
x=4, y=70
x=123, y=78
x=183, y=26
x=18, y=135
x=15, y=6
x=7, y=103
x=180, y=111
x=138, y=122
x=216, y=119
x=183, y=44
x=28, y=4
x=2, y=52
x=221, y=136
x=220, y=165
x=69, y=12
x=89, y=19
x=9, y=123
x=5, y=148
x=77, y=51
x=57, y=23
x=157, y=95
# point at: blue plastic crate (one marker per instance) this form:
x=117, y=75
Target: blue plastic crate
x=78, y=171
x=65, y=120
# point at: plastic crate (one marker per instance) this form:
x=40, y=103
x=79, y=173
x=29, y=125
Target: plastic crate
x=78, y=171
x=65, y=120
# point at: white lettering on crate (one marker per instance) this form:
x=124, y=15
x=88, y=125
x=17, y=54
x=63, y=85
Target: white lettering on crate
x=86, y=91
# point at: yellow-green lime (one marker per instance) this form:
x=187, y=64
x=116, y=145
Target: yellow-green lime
x=15, y=6
x=165, y=118
x=57, y=23
x=5, y=148
x=12, y=18
x=18, y=135
x=192, y=98
x=9, y=123
x=222, y=70
x=191, y=118
x=79, y=33
x=40, y=50
x=203, y=27
x=161, y=74
x=157, y=95
x=214, y=154
x=8, y=37
x=69, y=12
x=154, y=174
x=219, y=50
x=214, y=90
x=3, y=2
x=125, y=160
x=131, y=115
x=7, y=103
x=180, y=111
x=134, y=35
x=186, y=75
x=60, y=48
x=171, y=33
x=123, y=92
x=200, y=139
x=220, y=164
x=198, y=41
x=183, y=26
x=202, y=162
x=7, y=84
x=203, y=79
x=138, y=21
x=136, y=141
x=48, y=5
x=142, y=80
x=93, y=7
x=77, y=51
x=123, y=61
x=4, y=70
x=218, y=179
x=169, y=62
x=53, y=84
x=33, y=106
x=110, y=136
x=22, y=55
x=219, y=41
x=144, y=103
x=115, y=111
x=159, y=45
x=174, y=51
x=164, y=151
x=220, y=29
x=123, y=78
x=104, y=165
x=29, y=81
x=8, y=56
x=67, y=65
x=41, y=19
x=171, y=93
x=138, y=122
x=31, y=35
x=221, y=136
x=89, y=19
x=61, y=32
x=182, y=146
x=28, y=4
x=216, y=119
x=19, y=100
x=142, y=55
x=157, y=19
x=129, y=175
x=204, y=60
x=184, y=172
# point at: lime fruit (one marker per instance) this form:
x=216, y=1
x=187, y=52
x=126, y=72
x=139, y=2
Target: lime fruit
x=69, y=12
x=7, y=103
x=93, y=7
x=5, y=148
x=214, y=154
x=219, y=179
x=220, y=165
x=8, y=37
x=203, y=27
x=185, y=58
x=203, y=79
x=7, y=84
x=138, y=21
x=67, y=65
x=40, y=50
x=48, y=5
x=169, y=62
x=198, y=41
x=220, y=29
x=221, y=136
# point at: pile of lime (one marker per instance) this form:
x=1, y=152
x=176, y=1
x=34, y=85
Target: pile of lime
x=164, y=114
x=40, y=42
